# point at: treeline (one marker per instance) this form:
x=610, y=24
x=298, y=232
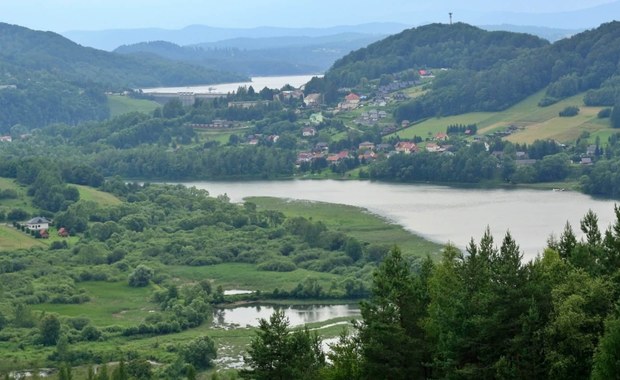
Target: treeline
x=472, y=164
x=453, y=129
x=478, y=314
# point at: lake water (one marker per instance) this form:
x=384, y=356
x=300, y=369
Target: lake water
x=439, y=213
x=297, y=315
x=258, y=83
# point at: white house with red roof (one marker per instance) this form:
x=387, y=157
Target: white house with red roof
x=351, y=102
x=406, y=147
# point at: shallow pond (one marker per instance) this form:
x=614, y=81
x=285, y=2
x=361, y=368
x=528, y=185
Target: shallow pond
x=297, y=315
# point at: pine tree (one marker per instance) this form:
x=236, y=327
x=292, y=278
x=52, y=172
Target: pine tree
x=392, y=339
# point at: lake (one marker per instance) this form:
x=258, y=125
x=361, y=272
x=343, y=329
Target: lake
x=298, y=315
x=440, y=213
x=258, y=83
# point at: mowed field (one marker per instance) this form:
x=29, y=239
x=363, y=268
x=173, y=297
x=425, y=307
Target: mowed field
x=120, y=105
x=535, y=123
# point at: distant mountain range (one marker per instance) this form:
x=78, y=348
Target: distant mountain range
x=198, y=34
x=266, y=56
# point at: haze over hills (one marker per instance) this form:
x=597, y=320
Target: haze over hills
x=198, y=34
x=261, y=56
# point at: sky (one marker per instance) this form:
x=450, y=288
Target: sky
x=67, y=15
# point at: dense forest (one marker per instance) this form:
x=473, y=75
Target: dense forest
x=45, y=78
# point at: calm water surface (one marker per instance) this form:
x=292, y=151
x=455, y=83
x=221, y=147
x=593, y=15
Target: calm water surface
x=297, y=314
x=441, y=214
x=258, y=83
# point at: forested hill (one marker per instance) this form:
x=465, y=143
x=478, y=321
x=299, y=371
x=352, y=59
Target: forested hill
x=261, y=56
x=487, y=71
x=432, y=46
x=30, y=50
x=45, y=78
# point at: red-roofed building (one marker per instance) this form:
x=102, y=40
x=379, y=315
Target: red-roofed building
x=351, y=102
x=441, y=136
x=406, y=147
x=352, y=97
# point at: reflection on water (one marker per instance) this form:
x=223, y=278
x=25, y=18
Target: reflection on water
x=297, y=314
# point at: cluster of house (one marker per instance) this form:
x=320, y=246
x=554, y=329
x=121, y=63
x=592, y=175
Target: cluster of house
x=371, y=117
x=369, y=151
x=395, y=86
x=42, y=225
x=590, y=154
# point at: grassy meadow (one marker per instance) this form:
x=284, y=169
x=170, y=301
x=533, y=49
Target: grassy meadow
x=120, y=104
x=535, y=122
x=99, y=197
x=357, y=222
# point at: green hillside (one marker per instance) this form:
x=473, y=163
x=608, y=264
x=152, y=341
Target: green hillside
x=534, y=122
x=484, y=71
x=46, y=78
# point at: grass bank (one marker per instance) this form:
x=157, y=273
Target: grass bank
x=355, y=221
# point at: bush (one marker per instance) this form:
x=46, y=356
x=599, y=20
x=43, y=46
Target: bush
x=199, y=352
x=58, y=245
x=569, y=111
x=547, y=101
x=141, y=276
x=604, y=113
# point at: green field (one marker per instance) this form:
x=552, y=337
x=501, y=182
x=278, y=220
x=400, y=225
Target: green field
x=535, y=122
x=120, y=104
x=100, y=197
x=22, y=201
x=246, y=276
x=354, y=221
x=112, y=303
x=11, y=239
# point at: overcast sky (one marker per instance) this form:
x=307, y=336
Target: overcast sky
x=64, y=15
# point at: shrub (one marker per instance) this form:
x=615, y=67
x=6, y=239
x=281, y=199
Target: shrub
x=604, y=113
x=90, y=333
x=569, y=111
x=547, y=101
x=141, y=276
x=277, y=266
x=199, y=352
